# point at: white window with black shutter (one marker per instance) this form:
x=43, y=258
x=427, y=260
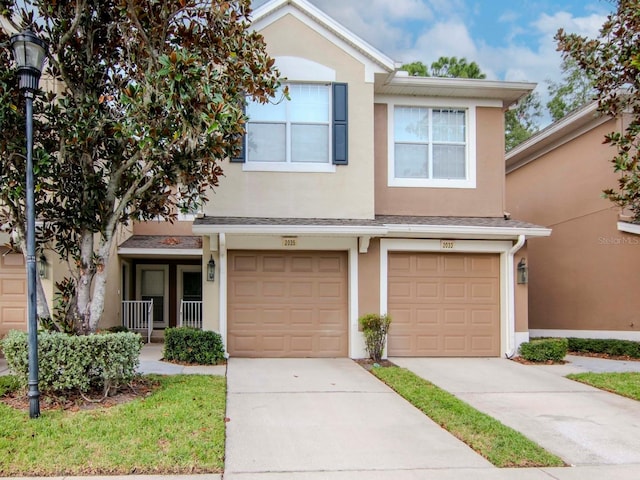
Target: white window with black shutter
x=306, y=133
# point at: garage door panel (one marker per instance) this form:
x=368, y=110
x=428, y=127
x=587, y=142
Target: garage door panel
x=462, y=318
x=13, y=291
x=298, y=312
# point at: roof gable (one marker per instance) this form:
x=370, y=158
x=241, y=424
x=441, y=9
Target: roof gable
x=373, y=60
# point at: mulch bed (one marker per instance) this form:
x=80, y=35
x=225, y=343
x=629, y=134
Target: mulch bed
x=368, y=364
x=74, y=401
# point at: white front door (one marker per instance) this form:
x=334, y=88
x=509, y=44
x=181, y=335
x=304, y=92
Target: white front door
x=152, y=283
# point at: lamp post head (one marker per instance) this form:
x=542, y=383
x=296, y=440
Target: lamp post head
x=29, y=52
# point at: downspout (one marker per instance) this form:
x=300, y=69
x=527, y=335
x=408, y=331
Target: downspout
x=511, y=298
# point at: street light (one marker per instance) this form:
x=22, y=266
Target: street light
x=29, y=52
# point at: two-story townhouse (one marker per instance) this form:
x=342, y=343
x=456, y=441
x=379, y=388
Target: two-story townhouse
x=582, y=278
x=367, y=191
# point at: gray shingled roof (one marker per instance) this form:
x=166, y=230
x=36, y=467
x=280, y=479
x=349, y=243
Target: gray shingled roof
x=171, y=242
x=378, y=221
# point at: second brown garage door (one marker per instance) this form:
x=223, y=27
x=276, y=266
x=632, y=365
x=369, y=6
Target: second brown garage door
x=444, y=304
x=287, y=304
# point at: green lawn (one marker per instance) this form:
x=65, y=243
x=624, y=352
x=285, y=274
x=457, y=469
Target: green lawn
x=501, y=445
x=178, y=429
x=626, y=384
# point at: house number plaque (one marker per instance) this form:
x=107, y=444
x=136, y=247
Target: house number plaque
x=289, y=241
x=447, y=244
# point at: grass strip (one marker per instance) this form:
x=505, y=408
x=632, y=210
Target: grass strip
x=626, y=384
x=178, y=429
x=501, y=445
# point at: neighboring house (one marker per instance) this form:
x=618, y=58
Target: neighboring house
x=582, y=279
x=369, y=191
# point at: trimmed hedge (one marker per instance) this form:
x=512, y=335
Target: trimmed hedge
x=625, y=348
x=70, y=362
x=544, y=350
x=190, y=345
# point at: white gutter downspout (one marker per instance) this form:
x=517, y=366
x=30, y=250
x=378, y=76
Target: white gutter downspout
x=511, y=298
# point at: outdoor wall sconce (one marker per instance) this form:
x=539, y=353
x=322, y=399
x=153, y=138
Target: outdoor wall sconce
x=211, y=270
x=523, y=272
x=42, y=266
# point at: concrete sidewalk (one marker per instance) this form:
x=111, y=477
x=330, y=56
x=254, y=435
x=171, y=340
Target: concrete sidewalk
x=329, y=418
x=583, y=425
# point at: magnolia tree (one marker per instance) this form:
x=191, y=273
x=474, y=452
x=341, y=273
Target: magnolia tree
x=152, y=102
x=612, y=61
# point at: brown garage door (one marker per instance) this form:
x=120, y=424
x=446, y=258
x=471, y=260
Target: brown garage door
x=13, y=292
x=444, y=304
x=287, y=304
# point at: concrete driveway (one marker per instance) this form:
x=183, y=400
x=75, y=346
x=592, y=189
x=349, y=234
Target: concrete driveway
x=314, y=418
x=581, y=424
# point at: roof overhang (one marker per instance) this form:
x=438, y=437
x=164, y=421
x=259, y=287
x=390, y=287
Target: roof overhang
x=558, y=133
x=400, y=83
x=167, y=247
x=381, y=226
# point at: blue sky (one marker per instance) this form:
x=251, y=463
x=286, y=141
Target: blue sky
x=510, y=39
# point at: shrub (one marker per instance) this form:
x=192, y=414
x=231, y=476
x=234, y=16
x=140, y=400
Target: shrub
x=610, y=346
x=544, y=350
x=190, y=345
x=117, y=329
x=375, y=328
x=69, y=362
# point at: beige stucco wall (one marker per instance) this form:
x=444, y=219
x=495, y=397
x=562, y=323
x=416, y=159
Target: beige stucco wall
x=346, y=193
x=521, y=293
x=486, y=200
x=584, y=275
x=369, y=279
x=210, y=290
x=163, y=228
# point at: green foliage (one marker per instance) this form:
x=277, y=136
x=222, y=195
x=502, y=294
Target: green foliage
x=190, y=345
x=450, y=67
x=375, y=328
x=177, y=429
x=613, y=62
x=416, y=69
x=521, y=120
x=8, y=384
x=117, y=329
x=69, y=362
x=501, y=445
x=610, y=346
x=149, y=103
x=574, y=91
x=626, y=384
x=544, y=350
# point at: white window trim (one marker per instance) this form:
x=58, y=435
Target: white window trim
x=470, y=165
x=301, y=167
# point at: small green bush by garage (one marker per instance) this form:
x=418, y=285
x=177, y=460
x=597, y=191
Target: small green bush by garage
x=190, y=345
x=544, y=350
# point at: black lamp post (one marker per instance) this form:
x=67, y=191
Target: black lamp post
x=29, y=52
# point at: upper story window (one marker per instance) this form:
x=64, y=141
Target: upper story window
x=291, y=131
x=307, y=133
x=431, y=147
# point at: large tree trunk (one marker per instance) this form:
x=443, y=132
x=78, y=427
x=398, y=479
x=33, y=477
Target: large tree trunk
x=81, y=309
x=92, y=284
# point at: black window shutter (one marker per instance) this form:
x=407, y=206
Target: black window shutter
x=340, y=124
x=242, y=155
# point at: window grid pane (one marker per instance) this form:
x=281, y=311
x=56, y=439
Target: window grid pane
x=430, y=143
x=295, y=130
x=266, y=142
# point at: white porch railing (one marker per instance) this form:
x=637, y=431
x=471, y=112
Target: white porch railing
x=137, y=315
x=190, y=314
